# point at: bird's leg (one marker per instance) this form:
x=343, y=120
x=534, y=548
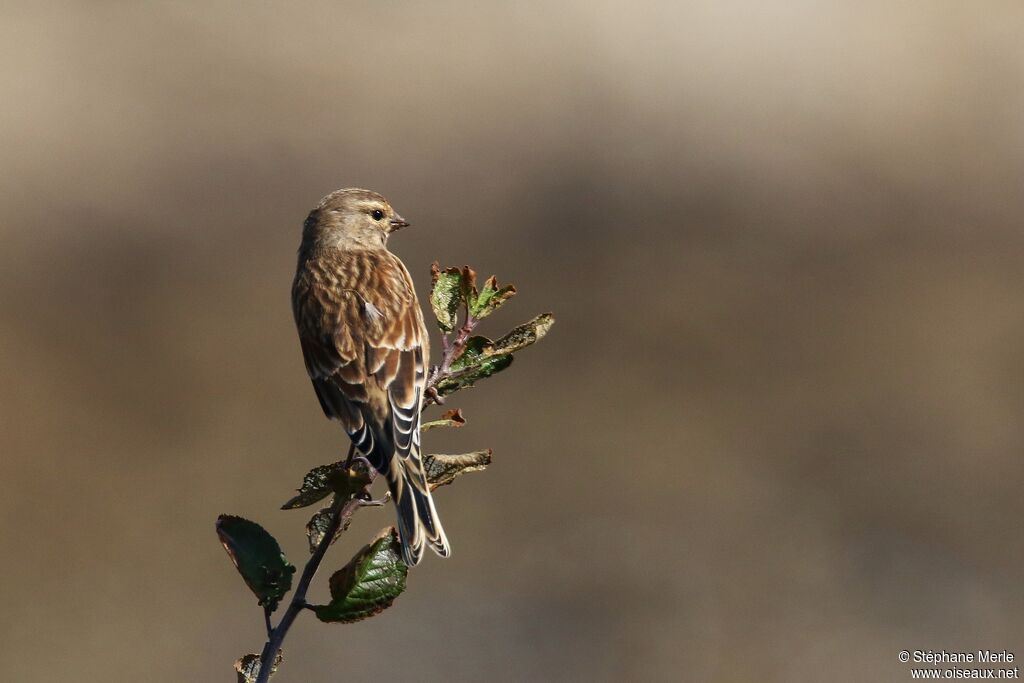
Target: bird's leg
x=431, y=395
x=364, y=498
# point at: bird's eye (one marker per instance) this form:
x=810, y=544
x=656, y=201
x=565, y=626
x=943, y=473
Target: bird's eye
x=377, y=214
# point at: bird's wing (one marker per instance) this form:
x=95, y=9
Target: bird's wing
x=364, y=344
x=366, y=349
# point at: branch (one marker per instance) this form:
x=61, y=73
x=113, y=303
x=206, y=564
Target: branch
x=450, y=350
x=276, y=636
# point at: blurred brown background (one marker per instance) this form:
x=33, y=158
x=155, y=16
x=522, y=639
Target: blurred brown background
x=774, y=436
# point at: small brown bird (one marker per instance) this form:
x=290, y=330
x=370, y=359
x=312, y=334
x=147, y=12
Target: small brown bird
x=366, y=348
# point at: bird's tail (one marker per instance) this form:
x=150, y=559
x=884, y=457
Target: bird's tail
x=418, y=521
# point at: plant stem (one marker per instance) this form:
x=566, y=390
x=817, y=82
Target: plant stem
x=339, y=512
x=450, y=350
x=458, y=346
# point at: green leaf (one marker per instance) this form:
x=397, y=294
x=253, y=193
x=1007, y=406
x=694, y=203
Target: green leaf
x=469, y=378
x=475, y=349
x=324, y=480
x=479, y=349
x=445, y=295
x=522, y=336
x=491, y=298
x=368, y=584
x=258, y=558
x=316, y=527
x=442, y=469
x=315, y=487
x=248, y=667
x=452, y=418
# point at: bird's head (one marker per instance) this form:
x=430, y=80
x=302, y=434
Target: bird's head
x=352, y=218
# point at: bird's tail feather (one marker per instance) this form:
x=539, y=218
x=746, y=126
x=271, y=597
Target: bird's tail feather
x=418, y=521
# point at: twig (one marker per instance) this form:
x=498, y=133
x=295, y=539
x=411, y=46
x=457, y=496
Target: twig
x=451, y=349
x=275, y=636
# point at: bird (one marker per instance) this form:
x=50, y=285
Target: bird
x=366, y=349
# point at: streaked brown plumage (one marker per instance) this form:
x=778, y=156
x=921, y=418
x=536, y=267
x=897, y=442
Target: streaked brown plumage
x=366, y=348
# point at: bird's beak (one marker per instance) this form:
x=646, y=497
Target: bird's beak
x=398, y=223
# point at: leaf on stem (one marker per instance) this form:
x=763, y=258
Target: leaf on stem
x=522, y=336
x=316, y=527
x=368, y=584
x=479, y=349
x=324, y=480
x=490, y=298
x=442, y=469
x=315, y=487
x=452, y=418
x=445, y=295
x=468, y=286
x=469, y=377
x=248, y=667
x=258, y=558
x=475, y=349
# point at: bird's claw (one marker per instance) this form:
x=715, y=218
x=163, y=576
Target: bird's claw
x=366, y=501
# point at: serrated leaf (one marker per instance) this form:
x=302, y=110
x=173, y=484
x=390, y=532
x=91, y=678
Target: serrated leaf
x=316, y=527
x=490, y=298
x=258, y=558
x=324, y=480
x=445, y=295
x=523, y=335
x=368, y=584
x=468, y=378
x=476, y=348
x=248, y=667
x=452, y=418
x=442, y=469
